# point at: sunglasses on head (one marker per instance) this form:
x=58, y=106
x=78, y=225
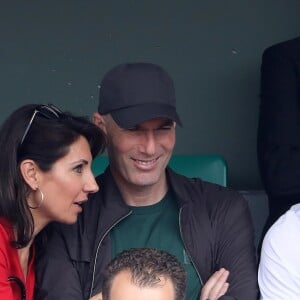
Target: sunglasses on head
x=48, y=111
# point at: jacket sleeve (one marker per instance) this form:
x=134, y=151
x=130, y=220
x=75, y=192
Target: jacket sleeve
x=234, y=247
x=56, y=277
x=278, y=142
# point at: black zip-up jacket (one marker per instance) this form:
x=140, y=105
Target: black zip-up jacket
x=215, y=225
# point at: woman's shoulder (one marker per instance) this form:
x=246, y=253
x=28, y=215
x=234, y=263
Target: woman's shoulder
x=6, y=230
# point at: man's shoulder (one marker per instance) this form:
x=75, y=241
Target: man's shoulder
x=290, y=48
x=281, y=240
x=289, y=223
x=204, y=190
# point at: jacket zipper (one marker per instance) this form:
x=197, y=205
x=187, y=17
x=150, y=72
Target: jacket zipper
x=187, y=251
x=96, y=256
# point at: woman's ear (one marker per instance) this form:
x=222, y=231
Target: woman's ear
x=99, y=121
x=29, y=171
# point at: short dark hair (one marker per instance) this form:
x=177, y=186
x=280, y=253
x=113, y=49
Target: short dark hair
x=146, y=266
x=47, y=140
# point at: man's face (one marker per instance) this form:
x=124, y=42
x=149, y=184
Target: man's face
x=123, y=288
x=139, y=156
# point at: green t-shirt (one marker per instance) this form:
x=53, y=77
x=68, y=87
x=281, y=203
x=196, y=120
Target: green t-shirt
x=156, y=226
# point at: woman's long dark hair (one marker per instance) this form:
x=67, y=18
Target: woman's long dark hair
x=46, y=141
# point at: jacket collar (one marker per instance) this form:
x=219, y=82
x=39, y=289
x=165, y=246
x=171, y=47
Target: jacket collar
x=113, y=198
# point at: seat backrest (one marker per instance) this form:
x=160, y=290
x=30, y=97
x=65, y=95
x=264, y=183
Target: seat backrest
x=259, y=208
x=209, y=167
x=99, y=164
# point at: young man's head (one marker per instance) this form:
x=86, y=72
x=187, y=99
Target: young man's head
x=137, y=110
x=144, y=274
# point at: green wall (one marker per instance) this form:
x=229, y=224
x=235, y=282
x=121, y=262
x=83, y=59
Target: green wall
x=57, y=51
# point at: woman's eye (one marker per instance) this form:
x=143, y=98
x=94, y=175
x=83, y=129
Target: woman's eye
x=78, y=169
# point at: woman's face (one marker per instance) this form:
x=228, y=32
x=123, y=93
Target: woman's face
x=67, y=185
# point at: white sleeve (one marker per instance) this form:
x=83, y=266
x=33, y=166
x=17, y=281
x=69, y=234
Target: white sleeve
x=279, y=268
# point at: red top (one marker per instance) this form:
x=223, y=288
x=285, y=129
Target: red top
x=10, y=266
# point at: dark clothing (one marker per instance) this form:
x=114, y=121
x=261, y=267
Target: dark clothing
x=278, y=141
x=216, y=229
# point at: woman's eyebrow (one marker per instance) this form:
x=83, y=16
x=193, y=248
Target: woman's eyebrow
x=83, y=161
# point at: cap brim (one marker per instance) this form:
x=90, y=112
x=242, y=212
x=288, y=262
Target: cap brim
x=131, y=116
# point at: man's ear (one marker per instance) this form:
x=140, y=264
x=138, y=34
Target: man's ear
x=99, y=120
x=29, y=171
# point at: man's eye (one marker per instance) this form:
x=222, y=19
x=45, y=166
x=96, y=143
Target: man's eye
x=165, y=128
x=132, y=129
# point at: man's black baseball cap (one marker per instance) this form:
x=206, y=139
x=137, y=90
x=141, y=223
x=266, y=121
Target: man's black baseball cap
x=137, y=92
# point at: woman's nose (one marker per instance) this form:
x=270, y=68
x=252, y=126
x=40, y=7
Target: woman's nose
x=91, y=186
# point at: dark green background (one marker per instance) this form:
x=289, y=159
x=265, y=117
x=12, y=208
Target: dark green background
x=57, y=51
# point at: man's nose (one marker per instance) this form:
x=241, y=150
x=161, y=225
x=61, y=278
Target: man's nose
x=149, y=142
